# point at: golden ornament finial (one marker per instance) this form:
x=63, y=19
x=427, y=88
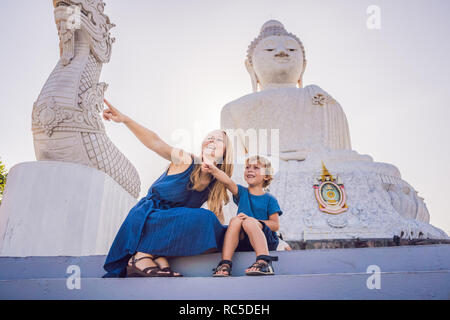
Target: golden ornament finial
x=326, y=174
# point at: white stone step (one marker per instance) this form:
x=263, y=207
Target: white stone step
x=406, y=272
x=393, y=285
x=296, y=262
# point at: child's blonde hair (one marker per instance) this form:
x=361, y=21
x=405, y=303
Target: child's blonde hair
x=267, y=166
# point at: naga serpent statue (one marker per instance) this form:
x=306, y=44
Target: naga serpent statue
x=66, y=123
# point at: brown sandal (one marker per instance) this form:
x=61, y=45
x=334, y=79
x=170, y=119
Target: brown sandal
x=171, y=272
x=168, y=270
x=135, y=272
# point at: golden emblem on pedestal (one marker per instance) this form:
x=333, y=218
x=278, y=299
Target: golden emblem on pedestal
x=330, y=194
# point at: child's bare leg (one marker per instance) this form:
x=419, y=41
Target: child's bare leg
x=231, y=239
x=253, y=228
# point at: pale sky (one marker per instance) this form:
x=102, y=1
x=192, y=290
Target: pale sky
x=175, y=64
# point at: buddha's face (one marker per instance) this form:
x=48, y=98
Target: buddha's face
x=278, y=59
x=213, y=146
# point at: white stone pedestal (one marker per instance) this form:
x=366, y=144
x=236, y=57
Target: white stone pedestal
x=53, y=208
x=380, y=203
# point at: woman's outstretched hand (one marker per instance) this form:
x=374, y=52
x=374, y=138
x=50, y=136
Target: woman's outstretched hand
x=208, y=166
x=112, y=113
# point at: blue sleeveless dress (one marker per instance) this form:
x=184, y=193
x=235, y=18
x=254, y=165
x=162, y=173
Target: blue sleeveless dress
x=168, y=221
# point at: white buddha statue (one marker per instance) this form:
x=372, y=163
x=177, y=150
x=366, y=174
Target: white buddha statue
x=308, y=119
x=313, y=129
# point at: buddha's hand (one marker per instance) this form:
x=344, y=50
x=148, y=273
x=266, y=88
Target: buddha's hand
x=112, y=113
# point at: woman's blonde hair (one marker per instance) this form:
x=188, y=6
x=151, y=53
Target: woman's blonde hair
x=267, y=166
x=218, y=195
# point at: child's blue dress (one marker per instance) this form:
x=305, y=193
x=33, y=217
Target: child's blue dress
x=259, y=207
x=168, y=222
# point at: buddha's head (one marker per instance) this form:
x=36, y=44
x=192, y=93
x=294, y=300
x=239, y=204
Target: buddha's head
x=275, y=57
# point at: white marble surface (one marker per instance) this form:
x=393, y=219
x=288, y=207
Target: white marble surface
x=304, y=126
x=57, y=208
x=381, y=204
x=313, y=128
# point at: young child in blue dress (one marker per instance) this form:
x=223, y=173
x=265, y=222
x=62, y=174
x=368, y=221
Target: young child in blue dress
x=255, y=225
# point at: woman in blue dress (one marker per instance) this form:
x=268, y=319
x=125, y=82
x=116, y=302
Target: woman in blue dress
x=168, y=221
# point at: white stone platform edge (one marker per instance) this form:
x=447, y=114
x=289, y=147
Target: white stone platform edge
x=53, y=208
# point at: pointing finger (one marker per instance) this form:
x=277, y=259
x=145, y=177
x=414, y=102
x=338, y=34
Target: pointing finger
x=111, y=108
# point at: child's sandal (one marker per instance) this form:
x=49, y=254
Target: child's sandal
x=224, y=266
x=262, y=268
